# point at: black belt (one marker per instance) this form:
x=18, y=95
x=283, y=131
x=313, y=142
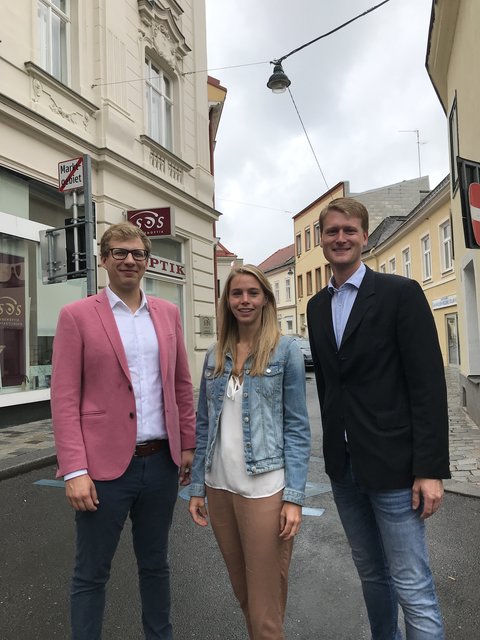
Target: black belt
x=152, y=446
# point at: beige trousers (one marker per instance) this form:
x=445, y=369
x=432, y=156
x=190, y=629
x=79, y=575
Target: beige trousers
x=257, y=559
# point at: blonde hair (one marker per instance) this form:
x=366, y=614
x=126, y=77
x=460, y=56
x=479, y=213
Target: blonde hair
x=348, y=206
x=268, y=335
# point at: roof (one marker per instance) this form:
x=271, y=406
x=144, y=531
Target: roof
x=222, y=252
x=281, y=258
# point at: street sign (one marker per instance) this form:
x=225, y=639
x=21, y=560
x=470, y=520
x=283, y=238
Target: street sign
x=70, y=175
x=474, y=198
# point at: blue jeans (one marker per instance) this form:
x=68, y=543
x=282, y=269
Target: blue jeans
x=147, y=491
x=387, y=538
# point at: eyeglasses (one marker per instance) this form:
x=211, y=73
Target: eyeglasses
x=137, y=254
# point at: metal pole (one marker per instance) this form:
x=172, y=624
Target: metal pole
x=76, y=257
x=89, y=227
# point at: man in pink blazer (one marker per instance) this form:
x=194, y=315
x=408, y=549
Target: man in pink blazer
x=124, y=425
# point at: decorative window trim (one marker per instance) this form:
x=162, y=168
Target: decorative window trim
x=45, y=84
x=162, y=160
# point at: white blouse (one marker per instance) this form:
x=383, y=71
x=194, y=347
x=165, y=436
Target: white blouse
x=228, y=470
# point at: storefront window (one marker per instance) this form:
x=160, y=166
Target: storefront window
x=28, y=315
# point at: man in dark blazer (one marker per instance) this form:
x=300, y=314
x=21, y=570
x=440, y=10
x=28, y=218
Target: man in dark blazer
x=381, y=385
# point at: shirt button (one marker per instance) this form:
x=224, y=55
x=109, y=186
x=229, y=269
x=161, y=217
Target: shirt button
x=130, y=387
x=247, y=371
x=246, y=419
x=268, y=371
x=131, y=414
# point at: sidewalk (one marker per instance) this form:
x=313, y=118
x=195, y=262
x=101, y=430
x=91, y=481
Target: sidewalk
x=30, y=446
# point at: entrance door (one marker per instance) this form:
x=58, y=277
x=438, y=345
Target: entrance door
x=452, y=338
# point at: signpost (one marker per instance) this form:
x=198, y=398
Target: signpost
x=66, y=254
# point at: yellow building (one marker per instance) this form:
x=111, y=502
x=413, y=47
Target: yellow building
x=453, y=56
x=420, y=246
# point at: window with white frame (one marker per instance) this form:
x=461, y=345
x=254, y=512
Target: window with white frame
x=288, y=290
x=426, y=257
x=383, y=268
x=53, y=37
x=407, y=263
x=308, y=241
x=392, y=265
x=316, y=234
x=159, y=103
x=309, y=283
x=276, y=291
x=446, y=246
x=298, y=244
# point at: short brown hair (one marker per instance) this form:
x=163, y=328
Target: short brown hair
x=349, y=207
x=123, y=231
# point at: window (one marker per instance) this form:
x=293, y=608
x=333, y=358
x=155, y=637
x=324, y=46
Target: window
x=426, y=258
x=309, y=283
x=454, y=149
x=288, y=290
x=446, y=246
x=276, y=291
x=300, y=286
x=316, y=234
x=53, y=36
x=328, y=272
x=318, y=279
x=407, y=263
x=159, y=102
x=383, y=268
x=298, y=244
x=392, y=265
x=308, y=241
x=289, y=326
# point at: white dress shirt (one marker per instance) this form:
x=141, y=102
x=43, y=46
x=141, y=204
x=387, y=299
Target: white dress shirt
x=140, y=343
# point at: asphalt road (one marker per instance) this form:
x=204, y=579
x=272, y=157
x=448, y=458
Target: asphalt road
x=325, y=603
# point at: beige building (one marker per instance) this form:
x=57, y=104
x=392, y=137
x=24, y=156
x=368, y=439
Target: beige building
x=280, y=271
x=452, y=61
x=115, y=81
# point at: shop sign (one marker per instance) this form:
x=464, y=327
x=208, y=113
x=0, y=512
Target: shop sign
x=445, y=301
x=12, y=308
x=155, y=223
x=166, y=267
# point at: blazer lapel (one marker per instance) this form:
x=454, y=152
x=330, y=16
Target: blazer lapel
x=325, y=316
x=108, y=321
x=362, y=302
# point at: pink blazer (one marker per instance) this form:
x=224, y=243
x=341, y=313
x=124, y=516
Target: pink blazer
x=92, y=399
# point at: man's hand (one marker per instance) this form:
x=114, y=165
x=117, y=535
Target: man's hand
x=186, y=466
x=290, y=520
x=81, y=493
x=431, y=492
x=198, y=511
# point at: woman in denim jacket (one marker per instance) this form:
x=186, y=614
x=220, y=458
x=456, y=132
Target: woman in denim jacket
x=253, y=447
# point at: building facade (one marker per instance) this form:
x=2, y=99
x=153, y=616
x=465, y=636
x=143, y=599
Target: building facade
x=280, y=271
x=115, y=81
x=453, y=55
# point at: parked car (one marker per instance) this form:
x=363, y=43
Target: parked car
x=304, y=345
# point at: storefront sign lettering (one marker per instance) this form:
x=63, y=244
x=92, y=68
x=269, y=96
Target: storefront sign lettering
x=153, y=222
x=12, y=313
x=166, y=267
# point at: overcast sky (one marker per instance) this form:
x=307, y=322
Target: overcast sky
x=355, y=90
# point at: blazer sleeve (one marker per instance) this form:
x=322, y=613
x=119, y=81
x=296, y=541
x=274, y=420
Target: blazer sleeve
x=66, y=389
x=184, y=390
x=425, y=378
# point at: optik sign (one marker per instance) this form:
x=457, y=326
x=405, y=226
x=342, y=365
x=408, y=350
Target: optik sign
x=153, y=222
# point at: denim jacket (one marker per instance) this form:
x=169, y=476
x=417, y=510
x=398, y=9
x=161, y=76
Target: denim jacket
x=276, y=431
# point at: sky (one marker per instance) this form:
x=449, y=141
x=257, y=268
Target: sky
x=355, y=90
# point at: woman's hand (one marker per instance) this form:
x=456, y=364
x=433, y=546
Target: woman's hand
x=290, y=520
x=198, y=511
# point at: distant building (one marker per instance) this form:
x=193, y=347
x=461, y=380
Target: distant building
x=280, y=271
x=225, y=261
